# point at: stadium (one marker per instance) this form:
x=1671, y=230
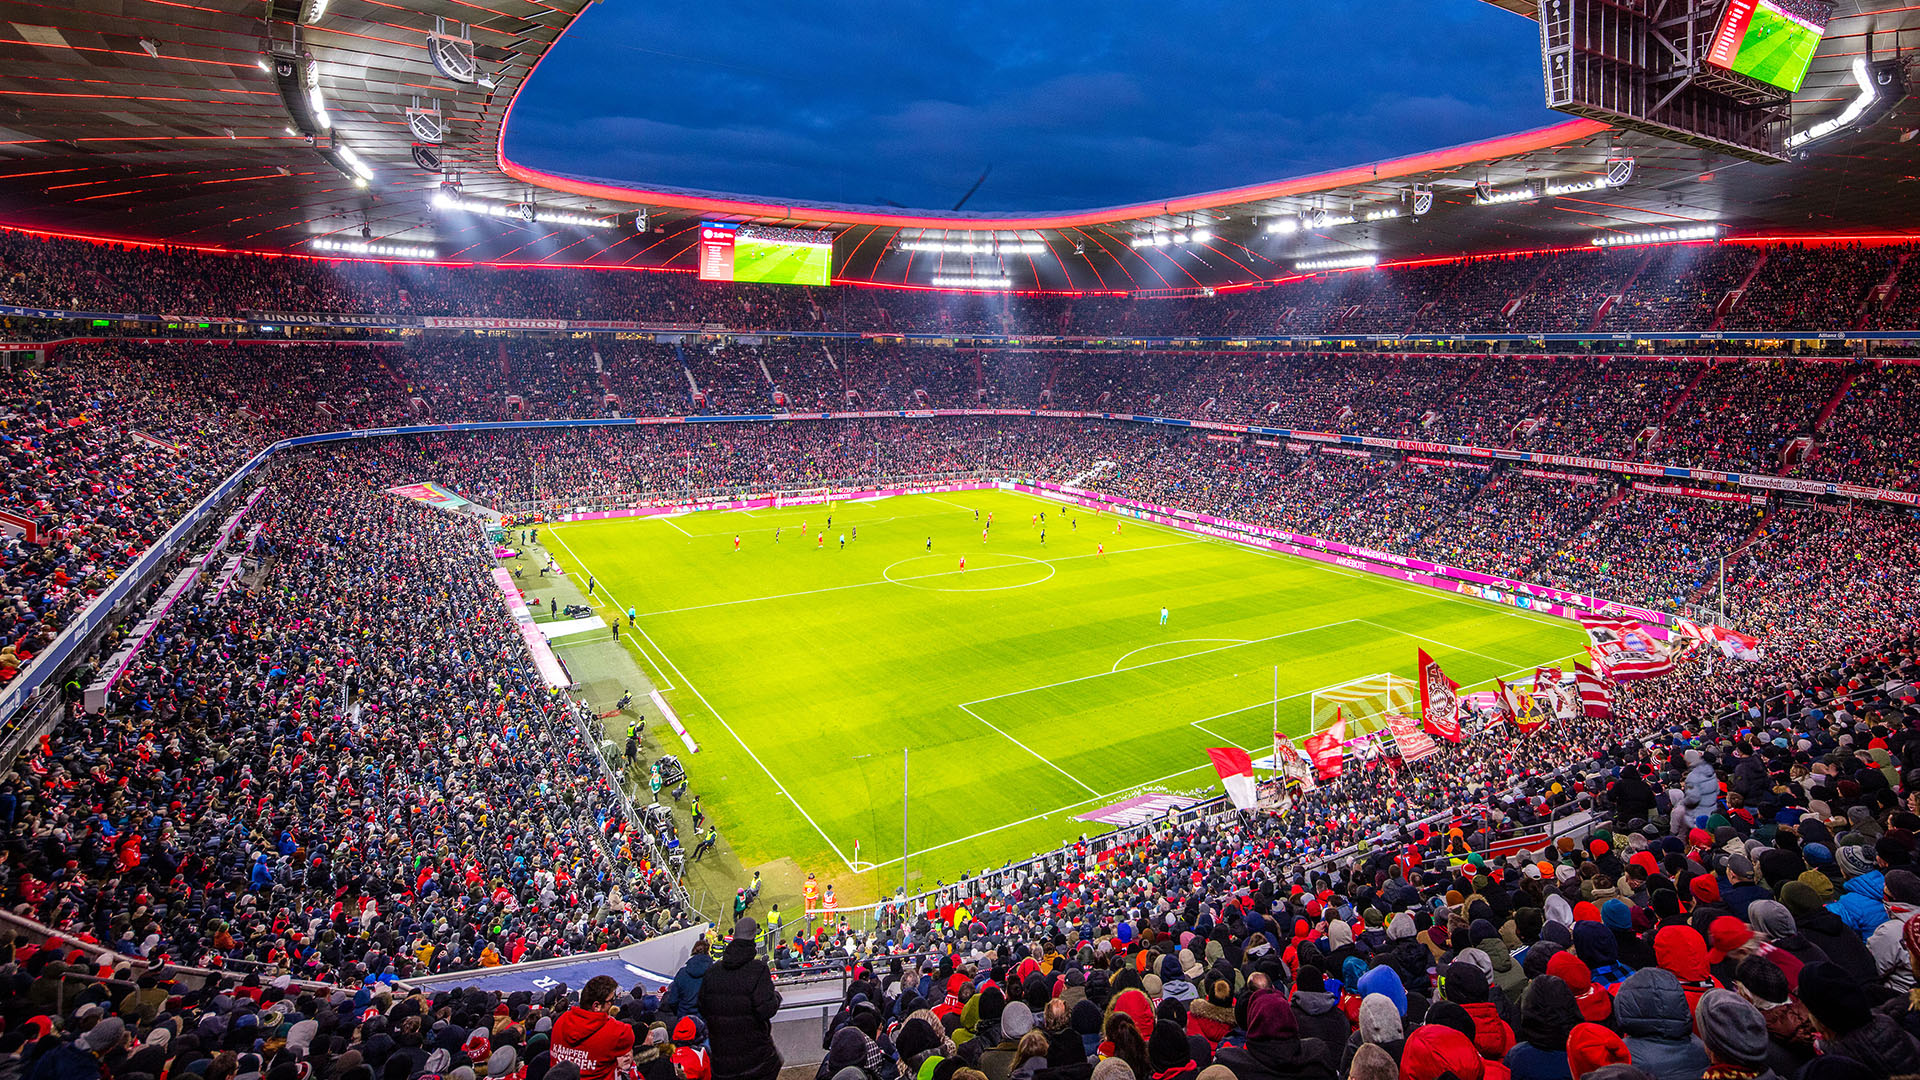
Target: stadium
x=1443, y=615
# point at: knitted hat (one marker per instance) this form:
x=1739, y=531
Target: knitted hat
x=1834, y=997
x=1724, y=935
x=1854, y=860
x=1732, y=1028
x=1168, y=1048
x=1591, y=1046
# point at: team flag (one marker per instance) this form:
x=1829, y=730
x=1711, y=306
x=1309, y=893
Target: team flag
x=1439, y=700
x=1329, y=757
x=1236, y=775
x=1413, y=743
x=1288, y=762
x=1596, y=699
x=1622, y=649
x=1522, y=708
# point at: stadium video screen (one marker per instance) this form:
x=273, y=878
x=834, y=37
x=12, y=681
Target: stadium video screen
x=1770, y=40
x=759, y=253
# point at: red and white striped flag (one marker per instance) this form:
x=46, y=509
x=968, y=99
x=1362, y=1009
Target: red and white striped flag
x=1596, y=698
x=1236, y=775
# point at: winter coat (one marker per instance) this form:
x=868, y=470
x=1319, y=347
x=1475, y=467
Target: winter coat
x=737, y=1001
x=1859, y=905
x=66, y=1062
x=1841, y=943
x=1507, y=975
x=683, y=994
x=1703, y=789
x=1650, y=1012
x=1319, y=1017
x=1211, y=1022
x=1492, y=1036
x=1277, y=1059
x=1889, y=948
x=1881, y=1045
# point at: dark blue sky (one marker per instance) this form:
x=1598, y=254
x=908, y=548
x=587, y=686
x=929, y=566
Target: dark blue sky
x=1073, y=105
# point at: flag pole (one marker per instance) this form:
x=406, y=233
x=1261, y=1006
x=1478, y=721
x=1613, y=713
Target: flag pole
x=903, y=818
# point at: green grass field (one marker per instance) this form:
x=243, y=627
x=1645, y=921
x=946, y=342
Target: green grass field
x=1036, y=685
x=781, y=264
x=1776, y=49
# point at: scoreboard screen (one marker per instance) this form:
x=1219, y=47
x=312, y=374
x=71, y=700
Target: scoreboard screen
x=1770, y=40
x=759, y=253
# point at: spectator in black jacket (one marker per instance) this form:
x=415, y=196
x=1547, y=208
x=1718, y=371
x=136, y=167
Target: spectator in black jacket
x=737, y=1001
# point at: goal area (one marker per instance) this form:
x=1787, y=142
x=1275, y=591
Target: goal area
x=1364, y=703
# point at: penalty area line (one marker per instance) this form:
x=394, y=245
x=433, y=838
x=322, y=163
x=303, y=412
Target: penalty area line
x=715, y=713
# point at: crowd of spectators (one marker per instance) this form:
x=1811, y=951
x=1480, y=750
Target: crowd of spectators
x=1681, y=287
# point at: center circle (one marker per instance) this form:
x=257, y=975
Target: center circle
x=981, y=570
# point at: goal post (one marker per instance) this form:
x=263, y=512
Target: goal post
x=1364, y=702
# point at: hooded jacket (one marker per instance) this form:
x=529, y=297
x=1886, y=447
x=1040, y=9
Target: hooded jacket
x=683, y=994
x=1859, y=905
x=738, y=1001
x=1681, y=950
x=1319, y=1018
x=1507, y=975
x=1274, y=1049
x=1651, y=1013
x=1435, y=1050
x=1889, y=947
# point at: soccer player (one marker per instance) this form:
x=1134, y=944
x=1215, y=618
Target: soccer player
x=631, y=615
x=976, y=513
x=963, y=564
x=1075, y=522
x=1043, y=535
x=856, y=532
x=1102, y=548
x=983, y=536
x=1163, y=614
x=1034, y=520
x=820, y=540
x=929, y=543
x=843, y=541
x=736, y=541
x=776, y=534
x=1116, y=528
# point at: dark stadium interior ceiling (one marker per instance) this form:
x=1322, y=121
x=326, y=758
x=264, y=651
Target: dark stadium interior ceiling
x=157, y=120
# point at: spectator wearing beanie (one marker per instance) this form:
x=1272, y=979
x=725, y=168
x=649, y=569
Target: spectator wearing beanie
x=1317, y=1013
x=1650, y=1010
x=1790, y=1032
x=1844, y=1017
x=1859, y=905
x=1594, y=1002
x=1211, y=1017
x=1380, y=1025
x=1274, y=1049
x=1168, y=1053
x=1784, y=943
x=1592, y=1047
x=1734, y=1035
x=738, y=1002
x=1547, y=1017
x=1466, y=986
x=1892, y=961
x=1595, y=945
x=1824, y=931
x=1681, y=950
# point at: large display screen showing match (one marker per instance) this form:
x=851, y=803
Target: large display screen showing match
x=760, y=253
x=1770, y=40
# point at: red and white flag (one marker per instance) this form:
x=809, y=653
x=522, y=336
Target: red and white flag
x=1522, y=708
x=1329, y=756
x=1439, y=700
x=1412, y=742
x=1623, y=649
x=1596, y=698
x=1288, y=762
x=1236, y=775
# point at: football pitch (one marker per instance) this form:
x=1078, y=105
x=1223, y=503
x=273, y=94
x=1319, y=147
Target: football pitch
x=1035, y=685
x=781, y=264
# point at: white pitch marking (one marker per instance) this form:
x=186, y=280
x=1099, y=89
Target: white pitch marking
x=723, y=721
x=1025, y=747
x=1176, y=641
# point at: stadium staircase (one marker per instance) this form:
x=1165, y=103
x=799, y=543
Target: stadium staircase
x=1734, y=295
x=1607, y=305
x=1681, y=398
x=1882, y=294
x=1833, y=403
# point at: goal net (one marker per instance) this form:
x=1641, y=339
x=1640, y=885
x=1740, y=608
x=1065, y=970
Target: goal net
x=1364, y=702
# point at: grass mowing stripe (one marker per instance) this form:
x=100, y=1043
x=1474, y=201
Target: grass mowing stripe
x=716, y=713
x=1077, y=687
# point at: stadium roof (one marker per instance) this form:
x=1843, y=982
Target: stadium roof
x=161, y=120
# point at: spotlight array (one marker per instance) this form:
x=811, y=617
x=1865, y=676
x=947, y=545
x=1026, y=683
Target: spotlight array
x=1164, y=238
x=447, y=200
x=1337, y=262
x=972, y=281
x=371, y=247
x=1658, y=236
x=976, y=247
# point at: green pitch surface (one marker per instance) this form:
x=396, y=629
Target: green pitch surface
x=781, y=264
x=1776, y=50
x=1035, y=685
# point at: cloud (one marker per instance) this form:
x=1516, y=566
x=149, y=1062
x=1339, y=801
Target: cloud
x=859, y=101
